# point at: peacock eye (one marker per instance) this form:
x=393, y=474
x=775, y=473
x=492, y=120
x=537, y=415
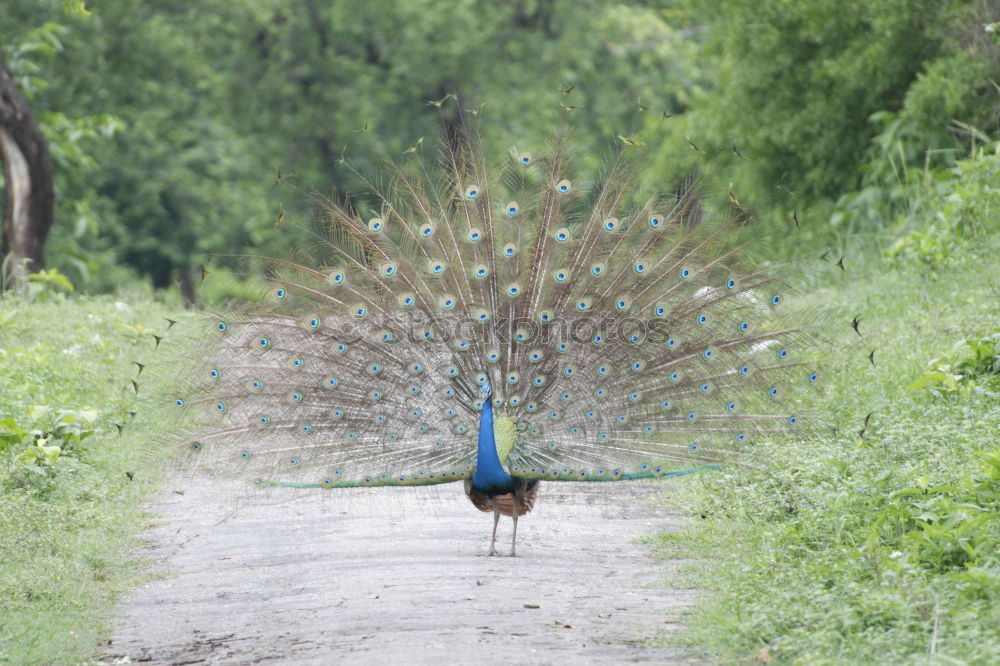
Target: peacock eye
x=563, y=186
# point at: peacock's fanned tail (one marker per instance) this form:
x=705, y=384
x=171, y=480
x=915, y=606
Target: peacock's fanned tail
x=622, y=336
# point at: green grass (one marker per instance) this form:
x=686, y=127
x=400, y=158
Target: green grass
x=68, y=529
x=846, y=550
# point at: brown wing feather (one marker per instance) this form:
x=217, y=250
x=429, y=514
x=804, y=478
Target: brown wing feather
x=504, y=503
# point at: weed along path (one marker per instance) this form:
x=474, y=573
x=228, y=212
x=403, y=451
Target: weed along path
x=400, y=576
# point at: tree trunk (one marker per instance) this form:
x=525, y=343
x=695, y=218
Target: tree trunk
x=189, y=278
x=27, y=170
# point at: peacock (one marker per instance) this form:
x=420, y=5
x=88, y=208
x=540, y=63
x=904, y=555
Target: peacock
x=498, y=323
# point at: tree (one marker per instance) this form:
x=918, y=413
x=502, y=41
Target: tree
x=27, y=170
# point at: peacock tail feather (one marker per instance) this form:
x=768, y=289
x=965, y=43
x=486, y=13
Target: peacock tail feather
x=616, y=334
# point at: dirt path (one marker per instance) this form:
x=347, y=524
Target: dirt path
x=399, y=576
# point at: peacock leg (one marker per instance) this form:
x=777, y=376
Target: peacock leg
x=513, y=538
x=493, y=540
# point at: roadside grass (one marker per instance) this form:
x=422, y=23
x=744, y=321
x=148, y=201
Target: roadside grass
x=69, y=517
x=866, y=550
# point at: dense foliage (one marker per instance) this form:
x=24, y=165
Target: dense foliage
x=203, y=109
x=170, y=123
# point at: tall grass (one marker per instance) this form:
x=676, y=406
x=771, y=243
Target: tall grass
x=70, y=503
x=881, y=546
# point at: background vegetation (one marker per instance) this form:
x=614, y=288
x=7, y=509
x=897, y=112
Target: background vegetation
x=179, y=129
x=169, y=122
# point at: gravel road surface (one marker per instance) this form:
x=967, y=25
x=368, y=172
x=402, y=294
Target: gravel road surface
x=400, y=575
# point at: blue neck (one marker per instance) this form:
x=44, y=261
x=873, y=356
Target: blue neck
x=490, y=476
